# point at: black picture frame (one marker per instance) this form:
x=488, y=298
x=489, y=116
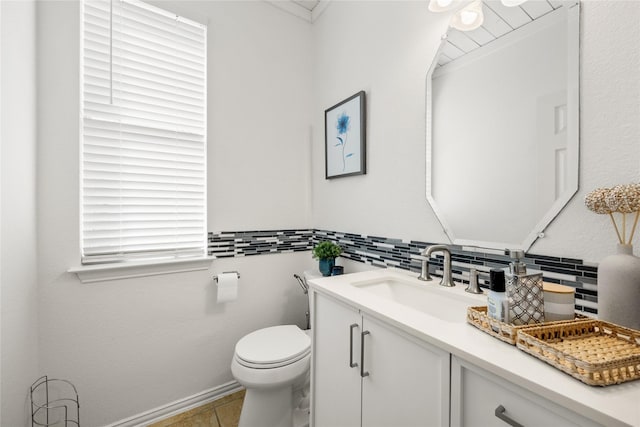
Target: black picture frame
x=345, y=137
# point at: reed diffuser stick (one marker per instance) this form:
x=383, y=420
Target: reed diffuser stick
x=633, y=229
x=616, y=227
x=624, y=227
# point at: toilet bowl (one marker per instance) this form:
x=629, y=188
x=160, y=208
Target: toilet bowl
x=273, y=365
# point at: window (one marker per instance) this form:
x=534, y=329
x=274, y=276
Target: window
x=143, y=133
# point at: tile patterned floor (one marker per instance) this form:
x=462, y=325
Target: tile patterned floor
x=224, y=412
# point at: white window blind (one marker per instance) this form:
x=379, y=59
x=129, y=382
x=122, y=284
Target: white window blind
x=143, y=133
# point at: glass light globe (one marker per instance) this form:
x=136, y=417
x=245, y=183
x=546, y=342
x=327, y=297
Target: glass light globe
x=512, y=3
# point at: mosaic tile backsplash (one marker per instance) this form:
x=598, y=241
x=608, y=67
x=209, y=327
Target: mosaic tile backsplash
x=244, y=243
x=405, y=254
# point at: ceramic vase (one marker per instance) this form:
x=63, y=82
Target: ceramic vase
x=325, y=265
x=619, y=288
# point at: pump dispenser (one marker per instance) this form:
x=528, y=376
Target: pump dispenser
x=497, y=306
x=525, y=294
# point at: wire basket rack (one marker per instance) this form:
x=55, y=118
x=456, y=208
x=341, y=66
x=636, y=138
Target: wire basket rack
x=54, y=403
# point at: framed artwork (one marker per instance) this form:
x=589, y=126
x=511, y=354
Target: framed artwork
x=344, y=137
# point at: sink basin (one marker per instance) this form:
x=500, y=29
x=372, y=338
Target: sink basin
x=428, y=297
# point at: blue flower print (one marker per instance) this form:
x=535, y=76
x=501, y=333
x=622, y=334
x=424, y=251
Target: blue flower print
x=342, y=126
x=343, y=123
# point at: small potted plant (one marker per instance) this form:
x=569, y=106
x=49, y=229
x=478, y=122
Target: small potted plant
x=326, y=252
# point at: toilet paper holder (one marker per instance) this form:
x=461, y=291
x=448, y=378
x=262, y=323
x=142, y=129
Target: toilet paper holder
x=215, y=277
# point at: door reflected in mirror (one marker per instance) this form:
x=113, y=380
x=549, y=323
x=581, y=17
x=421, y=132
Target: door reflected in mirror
x=502, y=124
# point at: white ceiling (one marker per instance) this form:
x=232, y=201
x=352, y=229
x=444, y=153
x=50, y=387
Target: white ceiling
x=308, y=10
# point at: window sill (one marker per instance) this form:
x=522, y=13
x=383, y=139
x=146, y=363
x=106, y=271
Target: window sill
x=128, y=270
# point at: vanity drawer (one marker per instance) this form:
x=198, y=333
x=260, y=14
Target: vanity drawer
x=481, y=399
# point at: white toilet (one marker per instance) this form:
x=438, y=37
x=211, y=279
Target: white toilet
x=273, y=365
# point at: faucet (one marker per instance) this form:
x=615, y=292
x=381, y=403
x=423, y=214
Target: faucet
x=474, y=286
x=447, y=278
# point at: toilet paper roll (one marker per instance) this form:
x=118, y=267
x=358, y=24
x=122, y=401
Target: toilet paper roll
x=227, y=286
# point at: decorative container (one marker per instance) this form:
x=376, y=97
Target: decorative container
x=595, y=352
x=525, y=298
x=559, y=302
x=619, y=288
x=325, y=265
x=54, y=402
x=478, y=317
x=337, y=270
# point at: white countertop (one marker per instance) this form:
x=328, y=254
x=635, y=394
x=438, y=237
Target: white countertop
x=611, y=406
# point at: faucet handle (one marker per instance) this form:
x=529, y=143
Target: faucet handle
x=474, y=287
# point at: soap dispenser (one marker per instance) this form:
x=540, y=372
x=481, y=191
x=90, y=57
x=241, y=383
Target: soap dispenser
x=525, y=294
x=497, y=305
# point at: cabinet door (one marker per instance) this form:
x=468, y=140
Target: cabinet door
x=476, y=394
x=335, y=383
x=408, y=380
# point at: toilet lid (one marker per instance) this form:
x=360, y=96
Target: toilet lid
x=273, y=345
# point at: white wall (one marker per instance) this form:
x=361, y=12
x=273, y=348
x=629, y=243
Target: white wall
x=609, y=127
x=386, y=48
x=133, y=345
x=18, y=310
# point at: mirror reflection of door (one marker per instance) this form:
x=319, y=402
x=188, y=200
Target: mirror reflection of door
x=552, y=152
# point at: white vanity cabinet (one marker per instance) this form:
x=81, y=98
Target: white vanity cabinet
x=427, y=367
x=368, y=373
x=481, y=399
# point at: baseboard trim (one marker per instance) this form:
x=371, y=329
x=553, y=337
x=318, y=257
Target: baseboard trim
x=178, y=406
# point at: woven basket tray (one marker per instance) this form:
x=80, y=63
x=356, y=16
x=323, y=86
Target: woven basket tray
x=477, y=316
x=593, y=351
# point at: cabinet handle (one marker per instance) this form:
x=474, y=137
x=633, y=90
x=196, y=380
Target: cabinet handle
x=500, y=413
x=363, y=373
x=351, y=363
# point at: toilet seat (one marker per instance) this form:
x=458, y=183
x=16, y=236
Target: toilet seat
x=273, y=347
x=271, y=365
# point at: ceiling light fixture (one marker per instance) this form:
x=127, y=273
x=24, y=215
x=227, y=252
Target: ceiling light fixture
x=469, y=17
x=512, y=3
x=443, y=5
